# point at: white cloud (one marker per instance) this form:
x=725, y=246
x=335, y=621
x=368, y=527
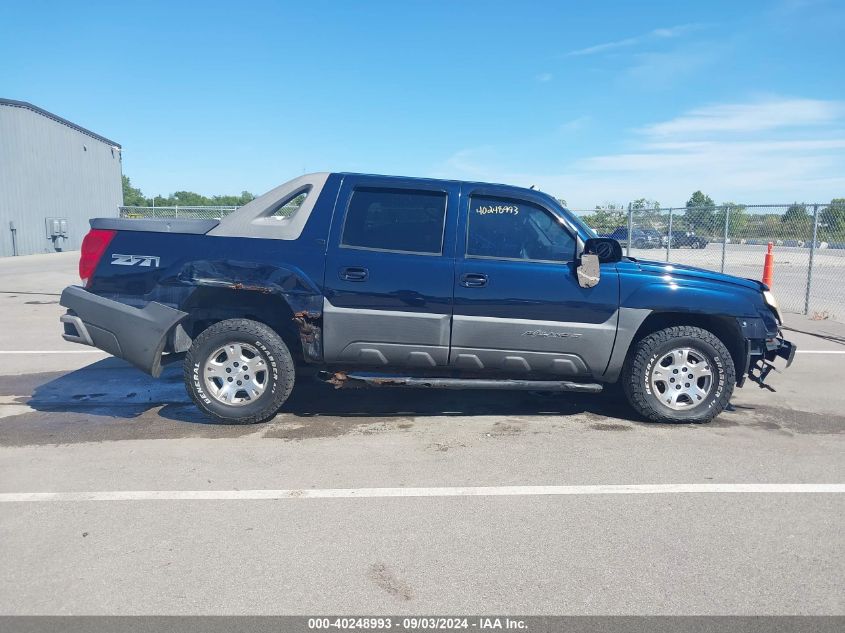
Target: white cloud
x=675, y=31
x=661, y=33
x=749, y=117
x=576, y=124
x=607, y=46
x=770, y=151
x=663, y=70
x=473, y=163
x=544, y=77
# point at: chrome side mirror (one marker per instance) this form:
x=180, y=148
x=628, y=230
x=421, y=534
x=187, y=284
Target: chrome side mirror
x=588, y=271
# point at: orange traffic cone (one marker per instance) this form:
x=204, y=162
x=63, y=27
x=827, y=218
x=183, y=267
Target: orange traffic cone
x=769, y=267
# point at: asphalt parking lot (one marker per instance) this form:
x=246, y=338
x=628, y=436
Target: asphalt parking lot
x=398, y=501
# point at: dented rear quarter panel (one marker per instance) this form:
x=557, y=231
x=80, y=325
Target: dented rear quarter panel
x=189, y=261
x=293, y=269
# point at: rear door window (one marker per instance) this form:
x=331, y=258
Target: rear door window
x=400, y=220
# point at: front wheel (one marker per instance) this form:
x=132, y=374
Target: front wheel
x=679, y=374
x=239, y=371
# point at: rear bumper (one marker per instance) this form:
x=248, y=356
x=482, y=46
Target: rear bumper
x=136, y=335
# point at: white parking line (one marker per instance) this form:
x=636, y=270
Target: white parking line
x=381, y=493
x=819, y=351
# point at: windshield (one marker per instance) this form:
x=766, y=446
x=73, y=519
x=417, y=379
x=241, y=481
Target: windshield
x=579, y=223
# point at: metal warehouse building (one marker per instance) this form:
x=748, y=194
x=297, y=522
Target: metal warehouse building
x=54, y=176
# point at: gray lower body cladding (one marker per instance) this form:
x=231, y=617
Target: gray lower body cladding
x=516, y=346
x=390, y=338
x=385, y=337
x=630, y=320
x=137, y=335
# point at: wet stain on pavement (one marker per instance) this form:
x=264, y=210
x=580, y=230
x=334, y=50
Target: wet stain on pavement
x=108, y=401
x=601, y=426
x=505, y=429
x=386, y=579
x=46, y=428
x=445, y=446
x=321, y=427
x=782, y=420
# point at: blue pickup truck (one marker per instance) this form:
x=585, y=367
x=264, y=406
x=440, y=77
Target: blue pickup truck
x=375, y=280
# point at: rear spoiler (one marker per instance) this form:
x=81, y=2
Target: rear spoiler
x=192, y=227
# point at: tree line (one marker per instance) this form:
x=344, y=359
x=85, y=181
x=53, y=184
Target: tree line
x=704, y=217
x=134, y=197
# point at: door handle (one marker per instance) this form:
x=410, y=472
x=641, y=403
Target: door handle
x=354, y=273
x=473, y=280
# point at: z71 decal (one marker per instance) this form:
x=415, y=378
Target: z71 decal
x=150, y=261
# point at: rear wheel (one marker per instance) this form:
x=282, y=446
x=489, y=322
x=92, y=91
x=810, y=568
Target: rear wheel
x=679, y=374
x=239, y=371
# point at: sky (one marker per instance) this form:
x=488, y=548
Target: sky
x=594, y=102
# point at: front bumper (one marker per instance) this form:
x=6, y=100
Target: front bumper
x=136, y=335
x=760, y=365
x=780, y=348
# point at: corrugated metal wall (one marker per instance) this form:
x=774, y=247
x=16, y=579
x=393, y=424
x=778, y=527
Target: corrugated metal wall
x=51, y=170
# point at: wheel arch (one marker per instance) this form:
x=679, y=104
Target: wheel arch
x=284, y=297
x=724, y=327
x=208, y=305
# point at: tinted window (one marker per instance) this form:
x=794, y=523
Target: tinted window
x=396, y=220
x=514, y=229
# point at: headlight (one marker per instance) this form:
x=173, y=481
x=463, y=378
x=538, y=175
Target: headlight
x=770, y=300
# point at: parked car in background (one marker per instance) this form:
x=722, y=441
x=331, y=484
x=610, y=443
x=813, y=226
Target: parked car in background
x=640, y=238
x=681, y=239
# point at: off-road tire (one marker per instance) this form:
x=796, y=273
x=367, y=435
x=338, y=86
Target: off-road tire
x=647, y=351
x=280, y=373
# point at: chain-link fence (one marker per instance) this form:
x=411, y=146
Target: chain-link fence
x=202, y=213
x=188, y=213
x=808, y=241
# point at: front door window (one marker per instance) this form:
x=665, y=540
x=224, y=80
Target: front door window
x=502, y=228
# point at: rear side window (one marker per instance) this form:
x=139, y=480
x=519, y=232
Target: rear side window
x=396, y=220
x=290, y=206
x=506, y=228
